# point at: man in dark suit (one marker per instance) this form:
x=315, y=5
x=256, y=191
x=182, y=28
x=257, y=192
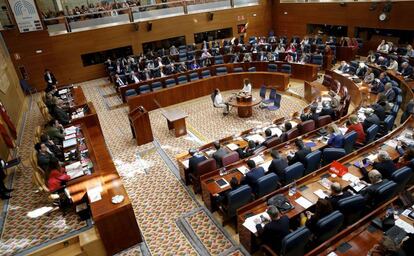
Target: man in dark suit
x=370, y=119
x=379, y=110
x=337, y=194
x=220, y=153
x=273, y=232
x=370, y=192
x=278, y=165
x=327, y=110
x=389, y=92
x=385, y=165
x=44, y=157
x=61, y=115
x=194, y=160
x=300, y=155
x=253, y=175
x=406, y=70
x=118, y=81
x=49, y=79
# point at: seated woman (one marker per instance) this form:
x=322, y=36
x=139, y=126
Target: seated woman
x=247, y=86
x=353, y=125
x=56, y=176
x=384, y=165
x=323, y=208
x=336, y=138
x=218, y=101
x=369, y=76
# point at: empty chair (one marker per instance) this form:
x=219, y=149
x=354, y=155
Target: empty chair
x=262, y=92
x=236, y=199
x=327, y=80
x=349, y=141
x=276, y=102
x=292, y=133
x=286, y=68
x=218, y=59
x=328, y=226
x=170, y=82
x=182, y=79
x=238, y=69
x=371, y=133
x=324, y=120
x=130, y=93
x=294, y=172
x=205, y=73
x=331, y=154
x=352, y=208
x=306, y=126
x=194, y=76
x=317, y=59
x=230, y=158
x=267, y=184
x=312, y=161
x=144, y=89
x=270, y=143
x=182, y=57
x=252, y=69
x=399, y=100
x=387, y=125
x=190, y=55
x=156, y=86
x=272, y=96
x=401, y=177
x=394, y=110
x=272, y=67
x=294, y=244
x=202, y=168
x=384, y=193
x=221, y=71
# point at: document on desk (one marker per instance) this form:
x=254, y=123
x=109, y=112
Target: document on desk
x=405, y=225
x=305, y=203
x=276, y=131
x=372, y=157
x=69, y=143
x=70, y=130
x=210, y=152
x=70, y=136
x=256, y=138
x=232, y=146
x=94, y=193
x=250, y=224
x=63, y=91
x=266, y=165
x=294, y=124
x=391, y=143
x=258, y=160
x=243, y=169
x=320, y=193
x=186, y=163
x=350, y=177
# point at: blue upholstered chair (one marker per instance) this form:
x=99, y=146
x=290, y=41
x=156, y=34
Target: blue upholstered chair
x=238, y=69
x=252, y=69
x=266, y=184
x=294, y=172
x=221, y=71
x=156, y=86
x=218, y=59
x=349, y=141
x=328, y=226
x=182, y=79
x=272, y=96
x=317, y=59
x=313, y=161
x=182, y=57
x=387, y=125
x=401, y=177
x=205, y=73
x=272, y=67
x=286, y=68
x=371, y=133
x=130, y=93
x=331, y=154
x=276, y=103
x=144, y=89
x=294, y=243
x=170, y=82
x=352, y=208
x=236, y=199
x=384, y=193
x=262, y=92
x=194, y=76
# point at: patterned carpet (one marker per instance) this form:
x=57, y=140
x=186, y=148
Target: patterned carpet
x=158, y=197
x=21, y=230
x=149, y=174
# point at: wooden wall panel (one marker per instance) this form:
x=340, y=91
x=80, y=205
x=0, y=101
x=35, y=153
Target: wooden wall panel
x=62, y=53
x=351, y=15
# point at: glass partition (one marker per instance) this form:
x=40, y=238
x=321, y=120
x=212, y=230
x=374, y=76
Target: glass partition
x=198, y=6
x=158, y=11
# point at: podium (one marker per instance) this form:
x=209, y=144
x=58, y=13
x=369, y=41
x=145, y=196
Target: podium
x=140, y=125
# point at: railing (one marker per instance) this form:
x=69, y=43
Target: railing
x=81, y=22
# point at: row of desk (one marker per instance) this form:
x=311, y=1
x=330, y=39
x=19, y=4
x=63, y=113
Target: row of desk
x=307, y=72
x=116, y=223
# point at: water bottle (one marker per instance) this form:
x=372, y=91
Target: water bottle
x=292, y=188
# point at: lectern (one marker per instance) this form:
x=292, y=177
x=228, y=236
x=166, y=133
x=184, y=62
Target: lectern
x=140, y=125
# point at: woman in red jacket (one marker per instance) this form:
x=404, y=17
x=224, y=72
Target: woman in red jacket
x=354, y=125
x=56, y=177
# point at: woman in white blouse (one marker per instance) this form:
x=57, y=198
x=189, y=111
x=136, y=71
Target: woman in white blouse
x=247, y=86
x=218, y=101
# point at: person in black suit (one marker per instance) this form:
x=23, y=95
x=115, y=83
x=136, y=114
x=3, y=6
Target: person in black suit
x=3, y=190
x=44, y=157
x=300, y=155
x=370, y=192
x=60, y=114
x=222, y=198
x=337, y=194
x=327, y=110
x=370, y=119
x=312, y=115
x=406, y=70
x=194, y=160
x=385, y=165
x=49, y=79
x=253, y=175
x=379, y=110
x=220, y=153
x=389, y=92
x=278, y=165
x=247, y=151
x=273, y=232
x=56, y=150
x=287, y=126
x=269, y=136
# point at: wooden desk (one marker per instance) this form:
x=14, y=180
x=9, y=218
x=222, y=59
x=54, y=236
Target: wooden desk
x=346, y=53
x=78, y=96
x=176, y=120
x=116, y=223
x=244, y=109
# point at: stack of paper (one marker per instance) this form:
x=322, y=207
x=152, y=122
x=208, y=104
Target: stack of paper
x=276, y=131
x=372, y=157
x=405, y=225
x=250, y=223
x=256, y=138
x=94, y=193
x=258, y=160
x=266, y=165
x=210, y=152
x=305, y=203
x=70, y=130
x=232, y=146
x=74, y=170
x=70, y=136
x=243, y=169
x=63, y=91
x=350, y=177
x=320, y=193
x=185, y=163
x=391, y=143
x=69, y=143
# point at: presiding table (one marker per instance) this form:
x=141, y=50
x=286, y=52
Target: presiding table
x=244, y=105
x=176, y=120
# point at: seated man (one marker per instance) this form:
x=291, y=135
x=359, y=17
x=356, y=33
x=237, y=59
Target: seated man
x=344, y=67
x=337, y=194
x=377, y=86
x=382, y=62
x=384, y=165
x=56, y=150
x=327, y=110
x=60, y=114
x=247, y=151
x=278, y=165
x=195, y=159
x=361, y=70
x=119, y=82
x=380, y=106
x=389, y=92
x=370, y=119
x=312, y=115
x=300, y=155
x=220, y=152
x=55, y=131
x=370, y=192
x=406, y=70
x=273, y=232
x=44, y=157
x=253, y=175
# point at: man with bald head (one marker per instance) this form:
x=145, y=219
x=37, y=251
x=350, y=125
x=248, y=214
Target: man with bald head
x=370, y=193
x=337, y=194
x=406, y=70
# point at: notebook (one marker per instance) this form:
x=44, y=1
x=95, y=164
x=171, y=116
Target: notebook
x=232, y=146
x=69, y=143
x=222, y=183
